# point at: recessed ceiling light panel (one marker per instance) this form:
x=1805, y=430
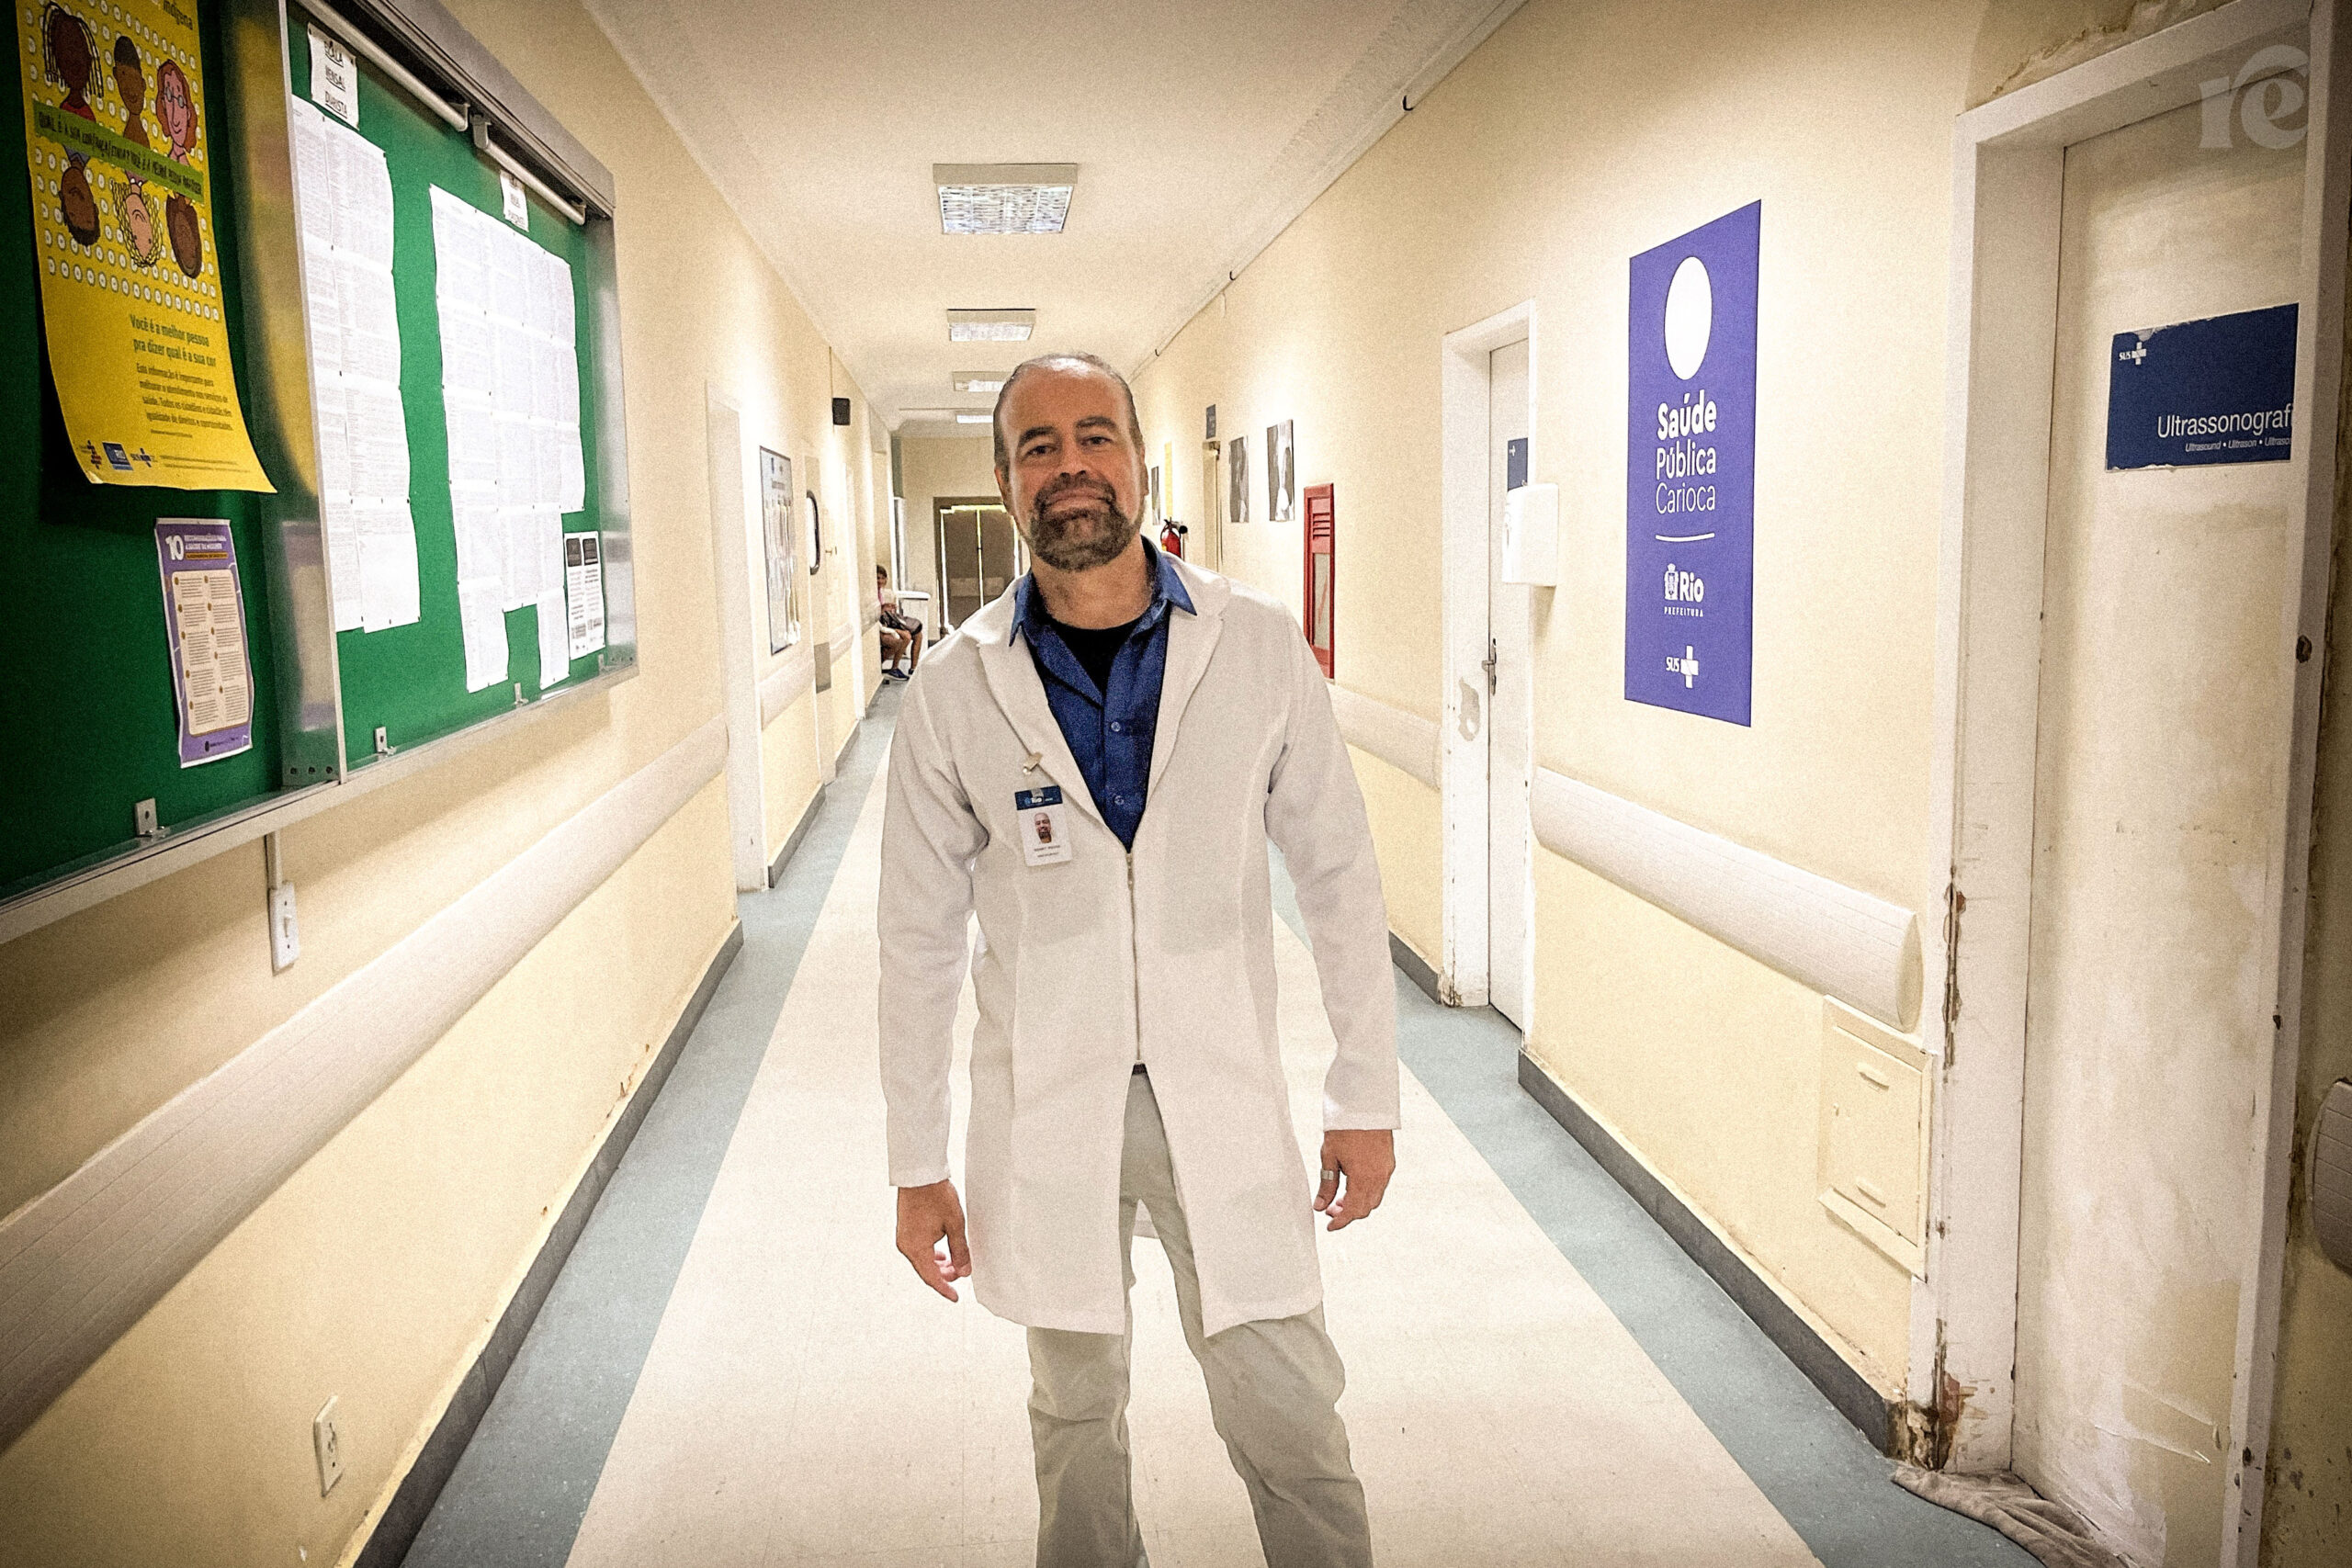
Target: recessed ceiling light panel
x=974, y=418
x=981, y=380
x=1003, y=198
x=990, y=326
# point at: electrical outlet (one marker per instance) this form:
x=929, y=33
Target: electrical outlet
x=327, y=1442
x=285, y=932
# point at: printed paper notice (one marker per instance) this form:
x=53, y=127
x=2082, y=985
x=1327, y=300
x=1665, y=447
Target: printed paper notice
x=115, y=102
x=343, y=198
x=204, y=625
x=510, y=390
x=583, y=592
x=481, y=619
x=555, y=662
x=334, y=80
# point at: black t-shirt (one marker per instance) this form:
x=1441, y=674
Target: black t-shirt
x=1096, y=648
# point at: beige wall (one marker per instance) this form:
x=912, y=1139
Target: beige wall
x=1551, y=154
x=1560, y=148
x=373, y=1273
x=933, y=467
x=789, y=772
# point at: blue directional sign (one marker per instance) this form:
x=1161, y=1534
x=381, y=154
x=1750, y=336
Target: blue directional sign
x=1691, y=469
x=2216, y=390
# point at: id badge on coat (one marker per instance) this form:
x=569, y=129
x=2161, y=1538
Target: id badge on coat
x=1044, y=838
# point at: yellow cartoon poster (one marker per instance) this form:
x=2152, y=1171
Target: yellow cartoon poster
x=123, y=224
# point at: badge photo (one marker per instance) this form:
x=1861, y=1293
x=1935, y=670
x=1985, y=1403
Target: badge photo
x=1044, y=838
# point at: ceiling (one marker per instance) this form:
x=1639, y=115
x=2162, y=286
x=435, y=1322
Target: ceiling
x=1201, y=128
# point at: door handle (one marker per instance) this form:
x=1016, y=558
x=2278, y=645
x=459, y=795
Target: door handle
x=1469, y=711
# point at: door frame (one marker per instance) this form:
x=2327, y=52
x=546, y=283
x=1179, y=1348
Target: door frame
x=2008, y=173
x=1464, y=386
x=1327, y=654
x=730, y=491
x=941, y=505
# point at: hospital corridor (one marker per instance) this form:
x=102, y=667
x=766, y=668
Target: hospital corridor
x=1289, y=782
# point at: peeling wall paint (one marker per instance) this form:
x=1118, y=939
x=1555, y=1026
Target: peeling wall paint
x=2023, y=41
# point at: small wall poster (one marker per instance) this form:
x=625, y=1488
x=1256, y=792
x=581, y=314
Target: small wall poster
x=776, y=530
x=1237, y=462
x=1282, y=479
x=204, y=623
x=114, y=101
x=1691, y=469
x=2217, y=391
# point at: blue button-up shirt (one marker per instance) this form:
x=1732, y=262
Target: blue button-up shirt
x=1110, y=731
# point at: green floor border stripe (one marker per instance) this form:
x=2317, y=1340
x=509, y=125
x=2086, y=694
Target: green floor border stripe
x=517, y=1496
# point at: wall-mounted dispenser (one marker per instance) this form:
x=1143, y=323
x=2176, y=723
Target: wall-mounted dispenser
x=1531, y=535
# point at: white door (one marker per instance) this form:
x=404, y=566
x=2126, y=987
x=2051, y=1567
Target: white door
x=1510, y=703
x=2163, y=727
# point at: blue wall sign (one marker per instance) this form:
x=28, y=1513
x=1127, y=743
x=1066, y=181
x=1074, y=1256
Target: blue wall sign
x=2219, y=390
x=1691, y=469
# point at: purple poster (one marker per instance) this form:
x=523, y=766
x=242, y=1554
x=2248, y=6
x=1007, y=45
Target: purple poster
x=204, y=623
x=1691, y=469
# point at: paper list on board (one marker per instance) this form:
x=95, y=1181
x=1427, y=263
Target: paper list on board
x=555, y=659
x=511, y=391
x=343, y=203
x=481, y=621
x=214, y=680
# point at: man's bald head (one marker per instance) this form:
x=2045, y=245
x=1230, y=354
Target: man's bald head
x=1064, y=364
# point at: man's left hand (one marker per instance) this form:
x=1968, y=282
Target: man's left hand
x=1365, y=1158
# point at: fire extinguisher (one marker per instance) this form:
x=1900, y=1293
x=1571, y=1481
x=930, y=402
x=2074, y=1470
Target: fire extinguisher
x=1171, y=538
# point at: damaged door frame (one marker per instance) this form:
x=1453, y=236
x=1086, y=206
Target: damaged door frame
x=1466, y=391
x=2009, y=168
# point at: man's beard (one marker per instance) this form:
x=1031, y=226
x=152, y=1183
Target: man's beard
x=1081, y=538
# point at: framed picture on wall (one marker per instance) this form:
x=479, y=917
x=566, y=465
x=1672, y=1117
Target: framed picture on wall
x=775, y=528
x=1237, y=473
x=1156, y=513
x=1282, y=479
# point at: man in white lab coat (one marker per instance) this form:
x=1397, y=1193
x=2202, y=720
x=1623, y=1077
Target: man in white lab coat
x=1093, y=764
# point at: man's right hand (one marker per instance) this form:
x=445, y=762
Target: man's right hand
x=927, y=1216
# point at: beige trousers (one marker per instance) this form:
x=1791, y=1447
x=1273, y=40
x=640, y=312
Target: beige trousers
x=1274, y=1391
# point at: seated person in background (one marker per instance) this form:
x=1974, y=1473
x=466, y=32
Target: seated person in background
x=902, y=633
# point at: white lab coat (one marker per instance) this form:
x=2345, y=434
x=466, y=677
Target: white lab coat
x=1077, y=968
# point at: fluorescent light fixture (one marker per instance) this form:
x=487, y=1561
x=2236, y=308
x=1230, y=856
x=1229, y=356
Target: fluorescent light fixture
x=990, y=326
x=974, y=418
x=981, y=380
x=1003, y=198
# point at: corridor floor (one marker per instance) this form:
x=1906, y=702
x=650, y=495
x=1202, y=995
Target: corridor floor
x=737, y=1369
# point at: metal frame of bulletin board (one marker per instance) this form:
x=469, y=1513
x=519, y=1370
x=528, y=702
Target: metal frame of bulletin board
x=446, y=114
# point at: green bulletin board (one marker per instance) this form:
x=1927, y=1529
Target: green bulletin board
x=411, y=680
x=87, y=726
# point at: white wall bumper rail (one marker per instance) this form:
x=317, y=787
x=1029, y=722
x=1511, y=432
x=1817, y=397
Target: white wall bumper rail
x=80, y=1264
x=782, y=685
x=1403, y=740
x=1861, y=950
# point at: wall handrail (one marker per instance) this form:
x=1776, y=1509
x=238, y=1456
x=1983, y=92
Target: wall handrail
x=1404, y=741
x=782, y=686
x=1838, y=940
x=81, y=1263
